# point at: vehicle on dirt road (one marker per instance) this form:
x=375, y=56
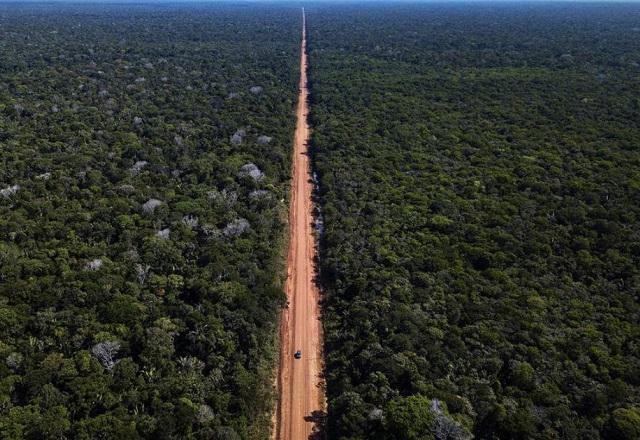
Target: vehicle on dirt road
x=297, y=354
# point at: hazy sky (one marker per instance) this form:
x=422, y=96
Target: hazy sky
x=317, y=1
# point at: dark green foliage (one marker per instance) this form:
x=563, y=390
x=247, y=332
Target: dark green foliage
x=120, y=319
x=478, y=170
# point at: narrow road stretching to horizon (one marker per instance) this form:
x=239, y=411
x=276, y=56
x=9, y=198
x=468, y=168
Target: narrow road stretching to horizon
x=301, y=400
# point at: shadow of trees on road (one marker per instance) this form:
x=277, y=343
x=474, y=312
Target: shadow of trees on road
x=319, y=419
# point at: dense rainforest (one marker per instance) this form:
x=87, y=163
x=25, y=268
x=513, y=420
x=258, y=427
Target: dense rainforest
x=144, y=169
x=478, y=177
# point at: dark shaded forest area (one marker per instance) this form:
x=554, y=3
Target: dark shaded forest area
x=478, y=170
x=143, y=186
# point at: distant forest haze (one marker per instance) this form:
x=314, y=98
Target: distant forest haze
x=477, y=180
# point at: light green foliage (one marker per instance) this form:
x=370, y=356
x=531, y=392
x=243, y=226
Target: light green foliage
x=410, y=418
x=625, y=423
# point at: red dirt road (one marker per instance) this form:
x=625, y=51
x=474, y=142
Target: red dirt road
x=301, y=400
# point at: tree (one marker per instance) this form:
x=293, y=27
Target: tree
x=624, y=424
x=410, y=418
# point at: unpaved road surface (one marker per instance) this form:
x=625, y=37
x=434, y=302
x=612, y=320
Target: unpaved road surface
x=301, y=399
